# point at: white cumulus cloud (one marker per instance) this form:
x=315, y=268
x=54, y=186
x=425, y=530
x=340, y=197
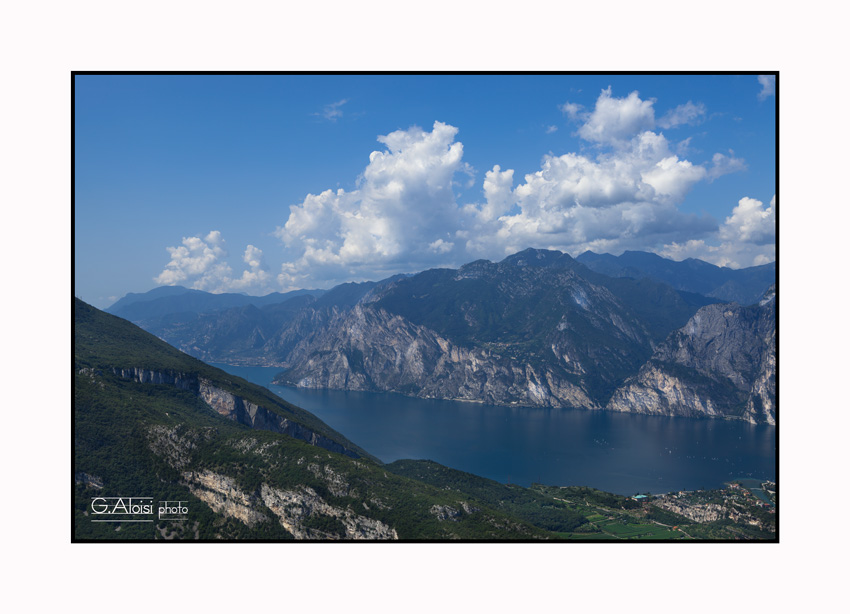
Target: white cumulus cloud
x=746, y=238
x=201, y=263
x=673, y=178
x=403, y=215
x=403, y=205
x=256, y=276
x=614, y=120
x=199, y=260
x=626, y=198
x=497, y=192
x=751, y=222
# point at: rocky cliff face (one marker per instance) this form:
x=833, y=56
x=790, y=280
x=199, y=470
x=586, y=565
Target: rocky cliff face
x=721, y=363
x=657, y=391
x=234, y=407
x=370, y=349
x=300, y=509
x=512, y=333
x=149, y=376
x=223, y=496
x=293, y=509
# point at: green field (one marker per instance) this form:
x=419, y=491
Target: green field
x=581, y=536
x=635, y=530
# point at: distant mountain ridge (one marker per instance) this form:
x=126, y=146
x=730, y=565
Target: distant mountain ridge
x=167, y=300
x=538, y=329
x=744, y=286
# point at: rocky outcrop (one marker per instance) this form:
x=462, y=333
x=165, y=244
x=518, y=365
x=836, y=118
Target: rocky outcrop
x=149, y=376
x=656, y=391
x=445, y=512
x=295, y=508
x=234, y=407
x=337, y=484
x=87, y=480
x=761, y=402
x=370, y=349
x=224, y=497
x=721, y=363
x=258, y=417
x=300, y=511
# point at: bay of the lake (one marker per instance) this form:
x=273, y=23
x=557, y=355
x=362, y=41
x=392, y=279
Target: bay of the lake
x=615, y=452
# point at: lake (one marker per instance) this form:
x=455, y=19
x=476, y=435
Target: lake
x=619, y=453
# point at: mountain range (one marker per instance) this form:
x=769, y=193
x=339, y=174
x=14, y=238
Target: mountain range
x=233, y=461
x=635, y=333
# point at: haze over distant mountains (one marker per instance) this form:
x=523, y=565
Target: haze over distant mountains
x=177, y=299
x=744, y=286
x=634, y=333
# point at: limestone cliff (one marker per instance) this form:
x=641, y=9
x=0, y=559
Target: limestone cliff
x=293, y=509
x=370, y=349
x=520, y=332
x=721, y=363
x=234, y=407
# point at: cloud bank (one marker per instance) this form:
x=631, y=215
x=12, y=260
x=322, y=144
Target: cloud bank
x=404, y=216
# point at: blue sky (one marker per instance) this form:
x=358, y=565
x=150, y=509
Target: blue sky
x=268, y=183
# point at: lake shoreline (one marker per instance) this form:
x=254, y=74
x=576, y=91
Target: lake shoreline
x=618, y=452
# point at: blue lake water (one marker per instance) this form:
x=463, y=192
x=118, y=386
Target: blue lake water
x=620, y=453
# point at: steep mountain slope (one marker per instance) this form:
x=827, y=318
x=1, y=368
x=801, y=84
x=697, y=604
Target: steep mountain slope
x=107, y=346
x=236, y=336
x=247, y=334
x=721, y=363
x=152, y=422
x=200, y=324
x=536, y=329
x=743, y=286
